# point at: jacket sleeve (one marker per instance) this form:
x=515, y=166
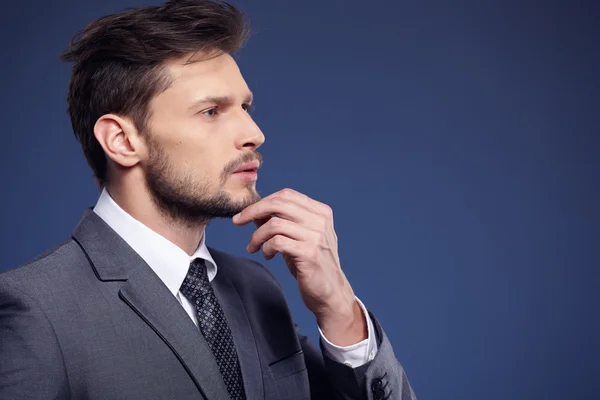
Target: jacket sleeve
x=381, y=378
x=31, y=362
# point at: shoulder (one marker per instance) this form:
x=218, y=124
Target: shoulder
x=47, y=271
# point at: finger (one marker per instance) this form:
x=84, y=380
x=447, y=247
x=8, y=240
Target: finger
x=278, y=226
x=282, y=244
x=261, y=221
x=290, y=196
x=267, y=207
x=291, y=266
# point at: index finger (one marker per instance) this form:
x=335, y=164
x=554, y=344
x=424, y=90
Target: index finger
x=266, y=208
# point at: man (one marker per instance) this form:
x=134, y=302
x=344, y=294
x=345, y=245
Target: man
x=135, y=305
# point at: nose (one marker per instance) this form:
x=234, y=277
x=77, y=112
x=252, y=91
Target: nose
x=250, y=137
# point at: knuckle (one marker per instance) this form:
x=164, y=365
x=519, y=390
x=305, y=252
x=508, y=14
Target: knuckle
x=287, y=193
x=278, y=240
x=276, y=222
x=304, y=198
x=278, y=199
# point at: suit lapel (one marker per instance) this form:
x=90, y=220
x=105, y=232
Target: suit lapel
x=112, y=259
x=145, y=293
x=243, y=336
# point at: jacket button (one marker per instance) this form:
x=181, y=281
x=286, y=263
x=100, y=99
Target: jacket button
x=379, y=394
x=376, y=384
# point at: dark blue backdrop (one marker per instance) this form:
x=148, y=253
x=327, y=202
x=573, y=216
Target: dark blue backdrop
x=457, y=144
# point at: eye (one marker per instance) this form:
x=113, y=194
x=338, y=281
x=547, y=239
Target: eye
x=248, y=108
x=211, y=112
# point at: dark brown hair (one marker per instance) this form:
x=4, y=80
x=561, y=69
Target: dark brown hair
x=118, y=61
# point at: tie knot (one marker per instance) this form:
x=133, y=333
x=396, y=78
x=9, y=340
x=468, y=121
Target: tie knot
x=199, y=266
x=196, y=282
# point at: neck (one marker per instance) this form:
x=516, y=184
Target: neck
x=137, y=202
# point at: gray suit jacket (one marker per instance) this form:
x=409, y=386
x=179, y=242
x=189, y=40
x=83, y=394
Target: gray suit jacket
x=91, y=320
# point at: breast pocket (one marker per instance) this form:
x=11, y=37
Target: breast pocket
x=288, y=365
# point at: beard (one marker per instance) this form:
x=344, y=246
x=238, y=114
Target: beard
x=185, y=197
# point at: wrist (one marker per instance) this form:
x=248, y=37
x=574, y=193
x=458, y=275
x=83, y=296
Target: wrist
x=344, y=325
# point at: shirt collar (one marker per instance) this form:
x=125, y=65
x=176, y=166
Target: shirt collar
x=166, y=259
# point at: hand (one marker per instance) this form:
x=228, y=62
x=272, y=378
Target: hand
x=301, y=229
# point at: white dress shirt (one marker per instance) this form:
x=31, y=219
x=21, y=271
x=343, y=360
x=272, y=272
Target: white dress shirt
x=171, y=264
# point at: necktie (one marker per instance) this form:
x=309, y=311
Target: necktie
x=213, y=325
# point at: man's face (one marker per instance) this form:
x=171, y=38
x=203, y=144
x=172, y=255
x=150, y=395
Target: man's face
x=198, y=134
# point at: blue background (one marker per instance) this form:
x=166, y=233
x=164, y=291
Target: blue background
x=457, y=142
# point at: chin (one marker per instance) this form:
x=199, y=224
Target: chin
x=242, y=189
x=245, y=196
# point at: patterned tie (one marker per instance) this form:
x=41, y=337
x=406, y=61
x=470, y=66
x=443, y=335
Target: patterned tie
x=197, y=289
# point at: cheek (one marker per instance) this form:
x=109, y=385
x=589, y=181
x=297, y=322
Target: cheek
x=200, y=154
x=202, y=165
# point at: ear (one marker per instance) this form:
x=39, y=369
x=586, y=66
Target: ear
x=120, y=140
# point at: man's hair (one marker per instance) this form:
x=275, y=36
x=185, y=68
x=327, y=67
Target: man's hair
x=119, y=61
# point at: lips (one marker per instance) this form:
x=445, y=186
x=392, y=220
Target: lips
x=251, y=166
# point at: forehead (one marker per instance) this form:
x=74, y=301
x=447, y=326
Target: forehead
x=201, y=75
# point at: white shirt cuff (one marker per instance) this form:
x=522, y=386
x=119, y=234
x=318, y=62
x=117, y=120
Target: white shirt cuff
x=357, y=354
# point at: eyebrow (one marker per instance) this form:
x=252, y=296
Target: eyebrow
x=218, y=100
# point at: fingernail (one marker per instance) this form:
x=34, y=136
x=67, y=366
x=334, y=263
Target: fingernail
x=236, y=216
